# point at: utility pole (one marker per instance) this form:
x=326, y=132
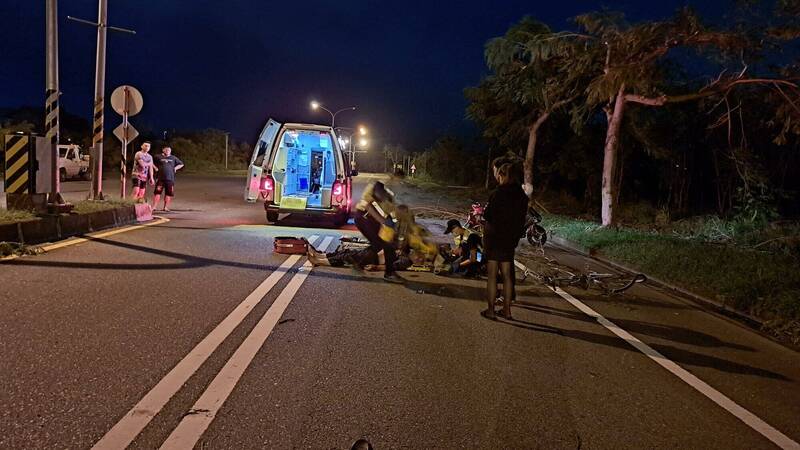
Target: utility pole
x=99, y=101
x=51, y=125
x=99, y=94
x=226, y=149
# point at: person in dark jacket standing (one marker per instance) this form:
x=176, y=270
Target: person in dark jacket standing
x=505, y=221
x=166, y=164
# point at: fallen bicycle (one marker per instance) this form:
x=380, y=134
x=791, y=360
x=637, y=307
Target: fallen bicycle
x=606, y=282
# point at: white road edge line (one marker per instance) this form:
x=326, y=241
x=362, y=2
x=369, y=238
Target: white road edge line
x=73, y=241
x=195, y=423
x=125, y=431
x=750, y=419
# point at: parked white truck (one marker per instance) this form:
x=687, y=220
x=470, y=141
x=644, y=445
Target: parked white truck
x=72, y=163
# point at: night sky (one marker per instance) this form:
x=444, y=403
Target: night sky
x=231, y=64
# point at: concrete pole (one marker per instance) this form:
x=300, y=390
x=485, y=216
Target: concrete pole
x=226, y=150
x=99, y=100
x=51, y=121
x=352, y=151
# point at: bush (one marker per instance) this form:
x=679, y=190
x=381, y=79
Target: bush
x=202, y=151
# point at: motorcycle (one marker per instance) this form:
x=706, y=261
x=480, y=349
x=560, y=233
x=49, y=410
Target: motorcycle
x=475, y=217
x=534, y=233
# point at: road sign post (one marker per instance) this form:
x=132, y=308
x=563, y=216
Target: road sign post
x=127, y=101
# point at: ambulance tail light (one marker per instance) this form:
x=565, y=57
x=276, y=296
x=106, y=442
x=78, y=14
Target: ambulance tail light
x=268, y=186
x=337, y=193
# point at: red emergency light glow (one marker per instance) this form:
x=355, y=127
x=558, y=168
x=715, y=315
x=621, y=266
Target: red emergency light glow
x=337, y=192
x=268, y=184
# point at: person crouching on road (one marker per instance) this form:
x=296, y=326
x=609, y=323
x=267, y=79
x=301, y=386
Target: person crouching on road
x=142, y=172
x=505, y=220
x=166, y=164
x=374, y=211
x=467, y=252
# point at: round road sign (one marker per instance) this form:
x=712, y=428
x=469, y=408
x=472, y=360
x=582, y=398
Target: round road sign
x=127, y=98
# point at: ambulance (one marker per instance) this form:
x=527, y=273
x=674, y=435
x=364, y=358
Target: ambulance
x=302, y=170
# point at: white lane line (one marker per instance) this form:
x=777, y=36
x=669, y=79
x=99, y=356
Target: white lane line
x=195, y=423
x=750, y=419
x=134, y=421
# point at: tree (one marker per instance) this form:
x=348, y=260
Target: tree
x=627, y=63
x=9, y=127
x=608, y=69
x=395, y=154
x=528, y=84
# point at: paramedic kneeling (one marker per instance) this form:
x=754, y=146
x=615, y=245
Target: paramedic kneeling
x=468, y=251
x=373, y=211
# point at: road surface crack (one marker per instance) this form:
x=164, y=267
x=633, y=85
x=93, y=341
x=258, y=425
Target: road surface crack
x=193, y=411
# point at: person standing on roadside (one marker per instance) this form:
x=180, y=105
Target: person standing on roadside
x=505, y=220
x=374, y=211
x=517, y=173
x=166, y=164
x=142, y=172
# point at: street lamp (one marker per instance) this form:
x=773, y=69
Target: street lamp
x=315, y=105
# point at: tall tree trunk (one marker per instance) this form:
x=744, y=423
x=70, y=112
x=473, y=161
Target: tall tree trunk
x=488, y=170
x=610, y=158
x=533, y=134
x=619, y=173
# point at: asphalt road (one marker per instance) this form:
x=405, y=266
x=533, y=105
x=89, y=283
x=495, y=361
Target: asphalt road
x=223, y=344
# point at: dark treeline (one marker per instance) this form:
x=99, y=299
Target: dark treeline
x=678, y=115
x=201, y=150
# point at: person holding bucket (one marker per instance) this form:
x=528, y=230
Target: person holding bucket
x=374, y=220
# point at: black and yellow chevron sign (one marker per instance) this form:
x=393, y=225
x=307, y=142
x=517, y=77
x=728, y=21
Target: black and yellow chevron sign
x=17, y=164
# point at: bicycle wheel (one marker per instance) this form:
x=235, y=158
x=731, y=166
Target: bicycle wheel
x=619, y=284
x=536, y=235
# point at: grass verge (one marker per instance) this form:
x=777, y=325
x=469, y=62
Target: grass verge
x=13, y=216
x=90, y=206
x=764, y=284
x=82, y=207
x=13, y=248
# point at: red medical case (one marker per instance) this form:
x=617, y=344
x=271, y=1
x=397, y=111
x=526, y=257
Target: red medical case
x=290, y=245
